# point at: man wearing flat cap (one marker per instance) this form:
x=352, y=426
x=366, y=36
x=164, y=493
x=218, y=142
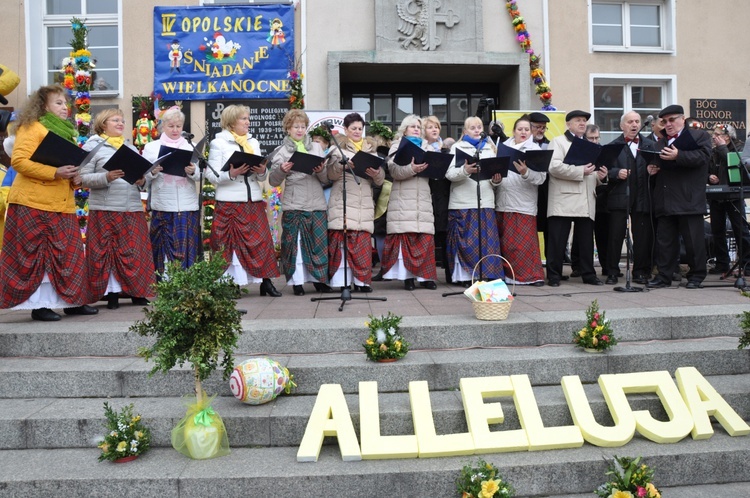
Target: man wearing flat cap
x=571, y=200
x=680, y=172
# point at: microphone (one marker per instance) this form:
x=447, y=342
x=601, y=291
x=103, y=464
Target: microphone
x=648, y=121
x=187, y=136
x=327, y=124
x=482, y=136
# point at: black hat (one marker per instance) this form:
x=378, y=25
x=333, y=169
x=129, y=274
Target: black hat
x=538, y=117
x=577, y=114
x=671, y=109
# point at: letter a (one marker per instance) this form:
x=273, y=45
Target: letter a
x=330, y=417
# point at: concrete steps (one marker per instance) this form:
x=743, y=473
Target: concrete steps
x=55, y=380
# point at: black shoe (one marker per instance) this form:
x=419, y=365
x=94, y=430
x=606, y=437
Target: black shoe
x=657, y=283
x=378, y=277
x=676, y=277
x=694, y=285
x=611, y=280
x=575, y=273
x=538, y=284
x=640, y=279
x=565, y=277
x=44, y=315
x=81, y=310
x=113, y=301
x=363, y=288
x=267, y=288
x=298, y=290
x=593, y=281
x=409, y=284
x=321, y=287
x=139, y=301
x=428, y=284
x=554, y=283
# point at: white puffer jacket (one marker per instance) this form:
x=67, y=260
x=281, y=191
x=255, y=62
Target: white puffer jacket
x=119, y=196
x=519, y=193
x=410, y=202
x=463, y=188
x=360, y=209
x=171, y=193
x=241, y=189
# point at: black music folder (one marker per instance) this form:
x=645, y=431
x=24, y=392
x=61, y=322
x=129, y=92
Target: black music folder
x=176, y=162
x=131, y=163
x=488, y=166
x=305, y=163
x=56, y=151
x=362, y=161
x=536, y=160
x=238, y=158
x=684, y=141
x=583, y=152
x=437, y=162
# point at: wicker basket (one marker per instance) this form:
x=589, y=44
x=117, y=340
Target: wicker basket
x=493, y=311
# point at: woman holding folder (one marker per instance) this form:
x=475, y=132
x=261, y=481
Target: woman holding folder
x=175, y=215
x=410, y=244
x=360, y=209
x=118, y=250
x=42, y=264
x=240, y=226
x=304, y=222
x=465, y=221
x=516, y=208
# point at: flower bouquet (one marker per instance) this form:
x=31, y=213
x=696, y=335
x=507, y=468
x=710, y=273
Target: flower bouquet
x=127, y=437
x=628, y=478
x=384, y=342
x=597, y=334
x=483, y=480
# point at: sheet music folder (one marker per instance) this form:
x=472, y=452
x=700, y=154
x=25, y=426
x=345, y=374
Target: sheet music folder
x=536, y=160
x=362, y=161
x=176, y=162
x=437, y=162
x=305, y=163
x=55, y=151
x=583, y=152
x=131, y=163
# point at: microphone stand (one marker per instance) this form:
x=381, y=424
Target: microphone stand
x=628, y=241
x=479, y=212
x=346, y=292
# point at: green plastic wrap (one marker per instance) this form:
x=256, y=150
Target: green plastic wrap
x=201, y=433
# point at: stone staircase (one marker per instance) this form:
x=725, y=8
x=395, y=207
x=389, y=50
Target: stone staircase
x=56, y=377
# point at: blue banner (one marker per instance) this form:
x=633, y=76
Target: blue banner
x=209, y=53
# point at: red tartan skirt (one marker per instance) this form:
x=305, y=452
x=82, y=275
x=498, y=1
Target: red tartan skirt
x=519, y=244
x=36, y=242
x=417, y=250
x=359, y=253
x=242, y=228
x=119, y=243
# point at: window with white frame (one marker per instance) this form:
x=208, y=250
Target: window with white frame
x=612, y=97
x=640, y=25
x=53, y=28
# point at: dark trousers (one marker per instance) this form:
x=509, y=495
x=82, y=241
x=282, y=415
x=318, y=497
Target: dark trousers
x=668, y=230
x=642, y=233
x=558, y=229
x=735, y=210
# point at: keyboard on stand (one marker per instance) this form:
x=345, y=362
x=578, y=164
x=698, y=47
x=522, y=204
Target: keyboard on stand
x=727, y=192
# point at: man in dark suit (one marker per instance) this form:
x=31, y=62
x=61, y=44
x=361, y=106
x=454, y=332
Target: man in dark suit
x=680, y=172
x=629, y=192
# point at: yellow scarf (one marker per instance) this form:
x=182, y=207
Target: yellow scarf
x=300, y=145
x=115, y=142
x=358, y=145
x=242, y=140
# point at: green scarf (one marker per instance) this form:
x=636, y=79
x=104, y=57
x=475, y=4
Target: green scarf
x=59, y=126
x=299, y=145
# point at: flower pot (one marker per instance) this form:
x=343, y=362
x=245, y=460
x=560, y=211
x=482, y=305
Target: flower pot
x=387, y=360
x=124, y=459
x=593, y=350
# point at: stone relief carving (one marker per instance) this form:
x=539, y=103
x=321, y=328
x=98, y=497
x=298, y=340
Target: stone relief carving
x=418, y=22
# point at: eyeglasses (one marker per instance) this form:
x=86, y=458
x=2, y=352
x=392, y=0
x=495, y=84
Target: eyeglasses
x=115, y=120
x=538, y=127
x=672, y=119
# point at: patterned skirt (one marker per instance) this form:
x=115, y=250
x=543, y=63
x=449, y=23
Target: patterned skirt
x=520, y=245
x=311, y=229
x=38, y=242
x=359, y=253
x=463, y=242
x=175, y=237
x=118, y=245
x=417, y=253
x=242, y=228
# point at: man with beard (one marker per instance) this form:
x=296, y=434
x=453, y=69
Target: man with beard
x=571, y=200
x=680, y=171
x=629, y=192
